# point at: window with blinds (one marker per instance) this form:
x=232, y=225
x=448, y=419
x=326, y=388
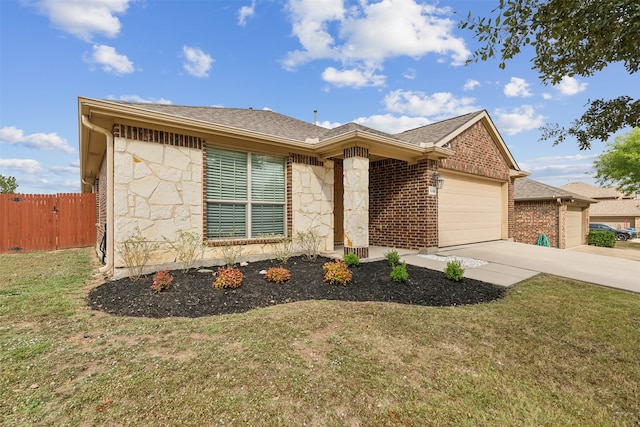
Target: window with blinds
x=245, y=194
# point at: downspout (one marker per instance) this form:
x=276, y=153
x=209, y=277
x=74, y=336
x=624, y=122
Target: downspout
x=108, y=267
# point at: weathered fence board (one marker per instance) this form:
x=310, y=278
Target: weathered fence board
x=42, y=222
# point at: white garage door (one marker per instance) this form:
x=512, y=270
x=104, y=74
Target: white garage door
x=469, y=210
x=573, y=227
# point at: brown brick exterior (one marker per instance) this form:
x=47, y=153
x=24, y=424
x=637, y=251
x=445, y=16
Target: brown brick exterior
x=535, y=217
x=401, y=212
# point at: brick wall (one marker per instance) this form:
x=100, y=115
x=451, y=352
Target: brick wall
x=535, y=217
x=401, y=212
x=101, y=202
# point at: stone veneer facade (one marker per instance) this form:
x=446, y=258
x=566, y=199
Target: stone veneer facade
x=159, y=189
x=356, y=201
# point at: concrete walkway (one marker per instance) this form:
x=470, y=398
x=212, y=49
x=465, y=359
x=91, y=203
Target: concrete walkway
x=511, y=262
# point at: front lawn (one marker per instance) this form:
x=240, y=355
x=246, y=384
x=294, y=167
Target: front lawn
x=551, y=352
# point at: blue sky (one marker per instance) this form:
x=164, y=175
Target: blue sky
x=388, y=64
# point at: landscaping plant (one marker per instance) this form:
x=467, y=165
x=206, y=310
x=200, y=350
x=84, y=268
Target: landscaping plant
x=336, y=273
x=392, y=257
x=230, y=253
x=351, y=260
x=135, y=252
x=399, y=273
x=604, y=238
x=454, y=270
x=228, y=277
x=309, y=242
x=162, y=280
x=283, y=249
x=188, y=248
x=278, y=275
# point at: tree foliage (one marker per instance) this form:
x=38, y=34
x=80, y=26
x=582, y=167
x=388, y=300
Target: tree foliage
x=619, y=165
x=8, y=184
x=570, y=37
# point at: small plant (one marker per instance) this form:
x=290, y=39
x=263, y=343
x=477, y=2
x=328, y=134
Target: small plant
x=283, y=249
x=351, y=260
x=454, y=270
x=399, y=273
x=309, y=242
x=136, y=251
x=336, y=273
x=228, y=277
x=188, y=248
x=230, y=253
x=392, y=257
x=162, y=280
x=603, y=238
x=278, y=275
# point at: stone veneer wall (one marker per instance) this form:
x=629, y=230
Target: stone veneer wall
x=535, y=217
x=402, y=214
x=356, y=201
x=311, y=187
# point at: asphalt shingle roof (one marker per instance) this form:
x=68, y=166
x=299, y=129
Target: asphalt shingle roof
x=528, y=189
x=592, y=191
x=627, y=207
x=434, y=132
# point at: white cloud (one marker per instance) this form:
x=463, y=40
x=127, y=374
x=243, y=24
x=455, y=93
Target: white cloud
x=547, y=96
x=40, y=141
x=392, y=124
x=246, y=12
x=29, y=166
x=518, y=120
x=137, y=98
x=353, y=77
x=65, y=169
x=410, y=74
x=198, y=63
x=560, y=170
x=112, y=62
x=329, y=125
x=570, y=86
x=517, y=87
x=470, y=84
x=84, y=18
x=438, y=105
x=364, y=35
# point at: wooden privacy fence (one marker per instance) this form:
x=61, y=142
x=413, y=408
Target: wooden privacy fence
x=44, y=222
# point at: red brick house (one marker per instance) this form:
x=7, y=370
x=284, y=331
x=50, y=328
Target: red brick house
x=245, y=175
x=559, y=214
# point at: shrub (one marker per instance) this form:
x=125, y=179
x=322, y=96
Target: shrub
x=336, y=272
x=399, y=273
x=136, y=251
x=309, y=242
x=454, y=270
x=230, y=253
x=283, y=249
x=188, y=248
x=392, y=257
x=228, y=277
x=278, y=275
x=351, y=260
x=604, y=238
x=162, y=281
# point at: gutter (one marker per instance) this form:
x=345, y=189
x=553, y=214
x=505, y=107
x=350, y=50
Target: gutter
x=108, y=267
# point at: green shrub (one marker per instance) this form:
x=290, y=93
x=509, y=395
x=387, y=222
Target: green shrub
x=228, y=277
x=454, y=270
x=392, y=257
x=162, y=280
x=604, y=238
x=351, y=260
x=399, y=273
x=278, y=275
x=336, y=272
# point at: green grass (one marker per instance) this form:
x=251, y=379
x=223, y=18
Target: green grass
x=553, y=352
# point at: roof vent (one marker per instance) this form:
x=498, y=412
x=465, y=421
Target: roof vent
x=315, y=117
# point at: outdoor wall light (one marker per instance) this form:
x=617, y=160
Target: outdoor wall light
x=438, y=180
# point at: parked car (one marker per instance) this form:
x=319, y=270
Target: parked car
x=620, y=234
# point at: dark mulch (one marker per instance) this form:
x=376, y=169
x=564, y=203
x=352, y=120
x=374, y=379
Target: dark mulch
x=192, y=294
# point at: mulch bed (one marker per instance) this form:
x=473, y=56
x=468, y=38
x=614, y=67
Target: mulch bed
x=192, y=294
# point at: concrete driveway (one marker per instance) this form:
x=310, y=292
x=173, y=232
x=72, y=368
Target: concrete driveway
x=602, y=270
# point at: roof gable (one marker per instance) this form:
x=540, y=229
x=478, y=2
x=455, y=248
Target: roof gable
x=595, y=191
x=528, y=189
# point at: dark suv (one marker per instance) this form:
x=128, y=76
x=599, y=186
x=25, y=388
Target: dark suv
x=620, y=234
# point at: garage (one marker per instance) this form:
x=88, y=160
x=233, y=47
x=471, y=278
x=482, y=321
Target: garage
x=469, y=210
x=574, y=226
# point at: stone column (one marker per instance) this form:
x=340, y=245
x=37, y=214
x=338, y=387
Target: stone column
x=356, y=201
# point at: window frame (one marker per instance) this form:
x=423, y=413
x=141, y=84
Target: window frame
x=249, y=202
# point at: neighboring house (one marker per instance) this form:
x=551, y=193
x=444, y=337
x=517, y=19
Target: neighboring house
x=561, y=215
x=246, y=175
x=614, y=208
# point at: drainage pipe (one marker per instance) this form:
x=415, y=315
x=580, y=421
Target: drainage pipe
x=108, y=267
